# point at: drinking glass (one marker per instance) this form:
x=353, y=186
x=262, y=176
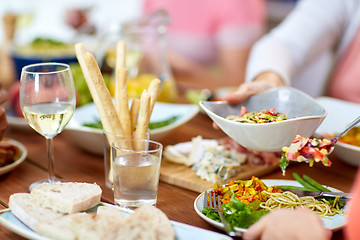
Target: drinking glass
x=47, y=101
x=136, y=172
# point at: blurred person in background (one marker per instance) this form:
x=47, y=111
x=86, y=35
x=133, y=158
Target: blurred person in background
x=315, y=49
x=209, y=41
x=313, y=28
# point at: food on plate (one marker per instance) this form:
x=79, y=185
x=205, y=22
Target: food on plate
x=99, y=222
x=62, y=198
x=264, y=116
x=9, y=153
x=290, y=200
x=216, y=160
x=246, y=191
x=245, y=201
x=241, y=201
x=351, y=137
x=303, y=149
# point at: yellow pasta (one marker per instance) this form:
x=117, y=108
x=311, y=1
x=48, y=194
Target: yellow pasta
x=290, y=200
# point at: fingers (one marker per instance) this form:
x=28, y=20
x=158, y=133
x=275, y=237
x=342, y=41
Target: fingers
x=215, y=126
x=246, y=90
x=256, y=230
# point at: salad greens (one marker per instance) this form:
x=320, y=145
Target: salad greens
x=152, y=125
x=237, y=213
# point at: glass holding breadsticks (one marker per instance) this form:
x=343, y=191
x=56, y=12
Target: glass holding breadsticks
x=47, y=100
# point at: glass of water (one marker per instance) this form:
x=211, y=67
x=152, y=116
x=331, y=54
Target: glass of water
x=136, y=171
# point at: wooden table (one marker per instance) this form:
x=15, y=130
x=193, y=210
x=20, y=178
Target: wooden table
x=74, y=164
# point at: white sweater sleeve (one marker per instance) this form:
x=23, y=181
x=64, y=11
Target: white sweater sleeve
x=311, y=29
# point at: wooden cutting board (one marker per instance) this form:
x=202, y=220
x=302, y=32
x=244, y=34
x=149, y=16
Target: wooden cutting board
x=183, y=176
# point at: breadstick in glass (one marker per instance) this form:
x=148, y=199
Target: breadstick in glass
x=144, y=118
x=134, y=112
x=121, y=90
x=154, y=91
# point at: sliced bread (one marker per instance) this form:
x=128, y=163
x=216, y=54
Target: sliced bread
x=146, y=222
x=28, y=212
x=68, y=197
x=58, y=228
x=78, y=226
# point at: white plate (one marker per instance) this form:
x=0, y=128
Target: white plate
x=16, y=163
x=182, y=231
x=336, y=222
x=340, y=114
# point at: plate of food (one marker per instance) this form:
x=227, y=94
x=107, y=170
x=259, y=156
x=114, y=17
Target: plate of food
x=83, y=216
x=340, y=114
x=269, y=120
x=85, y=130
x=13, y=153
x=332, y=222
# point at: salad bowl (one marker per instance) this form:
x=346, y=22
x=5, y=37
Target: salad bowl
x=304, y=116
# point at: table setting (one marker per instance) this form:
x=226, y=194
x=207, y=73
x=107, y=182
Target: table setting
x=140, y=152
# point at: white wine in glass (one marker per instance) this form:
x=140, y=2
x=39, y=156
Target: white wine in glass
x=47, y=101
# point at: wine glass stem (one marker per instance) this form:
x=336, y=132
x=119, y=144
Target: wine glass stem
x=50, y=155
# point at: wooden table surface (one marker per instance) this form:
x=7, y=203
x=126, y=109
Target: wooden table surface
x=74, y=164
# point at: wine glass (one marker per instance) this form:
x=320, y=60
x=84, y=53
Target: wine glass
x=47, y=101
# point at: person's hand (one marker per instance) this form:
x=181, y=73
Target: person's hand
x=283, y=224
x=262, y=82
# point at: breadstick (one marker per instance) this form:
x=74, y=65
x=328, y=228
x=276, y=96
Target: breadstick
x=154, y=91
x=144, y=118
x=98, y=90
x=121, y=91
x=120, y=55
x=121, y=101
x=134, y=112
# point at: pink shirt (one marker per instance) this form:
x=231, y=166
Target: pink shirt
x=198, y=27
x=352, y=228
x=346, y=80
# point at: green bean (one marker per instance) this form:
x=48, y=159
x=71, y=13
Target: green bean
x=292, y=187
x=315, y=184
x=303, y=182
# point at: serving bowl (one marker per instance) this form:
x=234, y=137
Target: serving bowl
x=340, y=114
x=42, y=50
x=304, y=115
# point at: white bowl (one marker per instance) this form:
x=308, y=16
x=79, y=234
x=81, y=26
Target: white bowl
x=92, y=139
x=303, y=112
x=340, y=114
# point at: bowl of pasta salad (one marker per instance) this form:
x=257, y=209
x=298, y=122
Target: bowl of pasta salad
x=269, y=120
